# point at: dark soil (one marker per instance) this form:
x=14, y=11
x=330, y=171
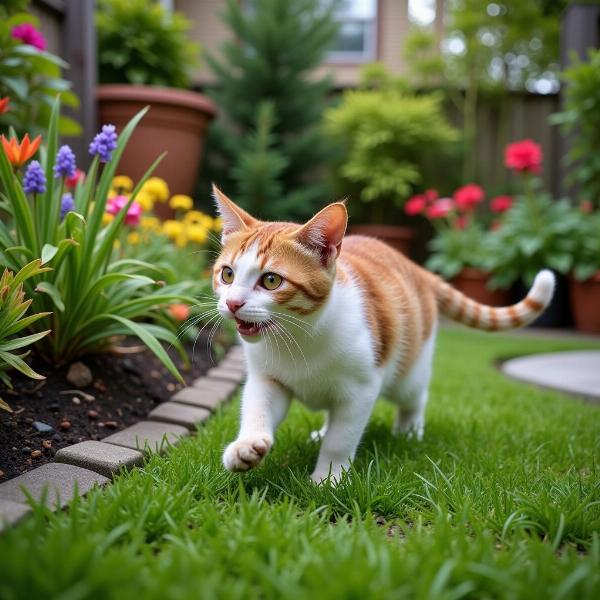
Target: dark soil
x=124, y=390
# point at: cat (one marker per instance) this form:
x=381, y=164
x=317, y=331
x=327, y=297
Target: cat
x=335, y=321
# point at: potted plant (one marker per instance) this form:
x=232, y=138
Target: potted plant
x=391, y=140
x=144, y=56
x=459, y=247
x=537, y=233
x=585, y=277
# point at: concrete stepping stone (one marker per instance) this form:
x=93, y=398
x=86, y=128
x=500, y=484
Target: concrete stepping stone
x=148, y=436
x=60, y=481
x=11, y=513
x=226, y=374
x=220, y=385
x=179, y=414
x=576, y=373
x=236, y=351
x=233, y=365
x=106, y=459
x=205, y=397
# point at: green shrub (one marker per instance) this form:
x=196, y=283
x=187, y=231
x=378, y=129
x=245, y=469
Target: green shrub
x=140, y=42
x=93, y=296
x=13, y=307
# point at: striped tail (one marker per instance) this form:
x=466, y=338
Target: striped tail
x=457, y=306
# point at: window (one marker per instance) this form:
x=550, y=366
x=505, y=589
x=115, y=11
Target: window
x=356, y=40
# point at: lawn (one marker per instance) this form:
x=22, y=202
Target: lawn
x=500, y=500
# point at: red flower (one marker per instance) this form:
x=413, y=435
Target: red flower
x=468, y=196
x=431, y=195
x=4, y=104
x=415, y=205
x=440, y=208
x=524, y=156
x=180, y=312
x=501, y=204
x=71, y=182
x=18, y=153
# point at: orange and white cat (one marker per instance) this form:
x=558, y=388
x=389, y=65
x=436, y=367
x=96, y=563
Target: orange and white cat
x=335, y=321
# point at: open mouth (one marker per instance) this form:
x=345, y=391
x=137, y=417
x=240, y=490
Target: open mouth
x=247, y=328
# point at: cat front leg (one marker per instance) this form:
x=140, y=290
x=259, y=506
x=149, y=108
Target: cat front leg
x=346, y=424
x=264, y=405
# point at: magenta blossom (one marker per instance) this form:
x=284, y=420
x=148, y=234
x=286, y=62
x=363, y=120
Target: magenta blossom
x=440, y=208
x=28, y=34
x=118, y=203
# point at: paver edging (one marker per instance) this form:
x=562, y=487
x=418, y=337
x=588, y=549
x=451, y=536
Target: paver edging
x=84, y=461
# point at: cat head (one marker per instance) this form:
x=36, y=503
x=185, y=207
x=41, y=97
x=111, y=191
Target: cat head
x=271, y=274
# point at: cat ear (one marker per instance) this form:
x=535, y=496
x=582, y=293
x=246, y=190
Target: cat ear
x=325, y=231
x=234, y=217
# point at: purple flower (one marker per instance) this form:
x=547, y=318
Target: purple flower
x=66, y=205
x=34, y=181
x=104, y=143
x=65, y=162
x=28, y=34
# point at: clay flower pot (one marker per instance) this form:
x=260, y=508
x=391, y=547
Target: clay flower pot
x=585, y=300
x=176, y=123
x=397, y=237
x=473, y=283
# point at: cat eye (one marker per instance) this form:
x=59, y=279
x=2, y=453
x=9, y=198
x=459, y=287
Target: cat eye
x=271, y=281
x=227, y=275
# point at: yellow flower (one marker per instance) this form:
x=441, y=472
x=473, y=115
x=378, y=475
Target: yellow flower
x=117, y=244
x=172, y=228
x=157, y=188
x=193, y=216
x=106, y=219
x=134, y=238
x=145, y=200
x=122, y=183
x=181, y=240
x=218, y=224
x=150, y=223
x=181, y=201
x=197, y=233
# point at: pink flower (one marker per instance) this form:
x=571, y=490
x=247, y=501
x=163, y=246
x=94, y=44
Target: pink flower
x=501, y=204
x=415, y=205
x=28, y=34
x=71, y=182
x=468, y=196
x=524, y=156
x=117, y=203
x=440, y=208
x=431, y=195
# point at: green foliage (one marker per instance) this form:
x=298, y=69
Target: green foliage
x=582, y=118
x=586, y=234
x=140, y=43
x=392, y=142
x=91, y=296
x=268, y=96
x=537, y=233
x=32, y=79
x=13, y=307
x=488, y=505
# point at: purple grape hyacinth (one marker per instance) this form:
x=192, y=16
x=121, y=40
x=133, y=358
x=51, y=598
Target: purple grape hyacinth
x=104, y=143
x=66, y=205
x=34, y=181
x=65, y=162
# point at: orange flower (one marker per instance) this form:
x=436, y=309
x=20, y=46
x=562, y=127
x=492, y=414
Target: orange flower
x=4, y=104
x=19, y=153
x=180, y=312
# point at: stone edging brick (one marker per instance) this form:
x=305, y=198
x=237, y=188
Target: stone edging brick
x=80, y=467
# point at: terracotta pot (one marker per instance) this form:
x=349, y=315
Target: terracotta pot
x=176, y=123
x=473, y=283
x=585, y=299
x=397, y=237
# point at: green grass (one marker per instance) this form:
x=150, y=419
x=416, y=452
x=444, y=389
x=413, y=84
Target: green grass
x=500, y=500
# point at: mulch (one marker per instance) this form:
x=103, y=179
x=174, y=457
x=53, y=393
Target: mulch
x=51, y=414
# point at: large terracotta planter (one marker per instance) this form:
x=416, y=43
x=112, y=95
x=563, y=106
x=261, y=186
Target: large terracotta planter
x=473, y=283
x=176, y=123
x=397, y=237
x=585, y=300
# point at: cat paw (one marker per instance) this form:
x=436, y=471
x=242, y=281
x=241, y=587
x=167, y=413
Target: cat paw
x=321, y=476
x=246, y=454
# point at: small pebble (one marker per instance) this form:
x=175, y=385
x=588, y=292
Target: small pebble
x=65, y=425
x=100, y=424
x=170, y=387
x=76, y=400
x=154, y=374
x=36, y=454
x=79, y=375
x=1, y=474
x=42, y=427
x=100, y=385
x=92, y=414
x=111, y=424
x=47, y=444
x=26, y=450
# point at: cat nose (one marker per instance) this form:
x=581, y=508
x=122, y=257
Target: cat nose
x=234, y=305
